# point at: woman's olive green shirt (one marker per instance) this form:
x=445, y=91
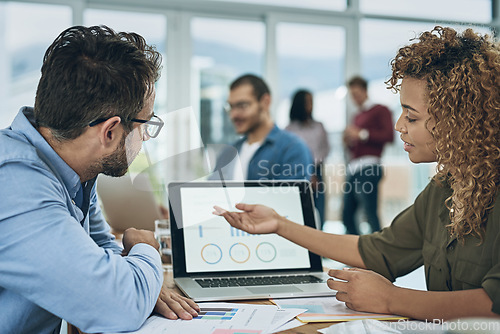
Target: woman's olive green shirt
x=419, y=236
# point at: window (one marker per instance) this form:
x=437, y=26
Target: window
x=23, y=43
x=312, y=57
x=380, y=40
x=479, y=11
x=314, y=4
x=153, y=27
x=222, y=51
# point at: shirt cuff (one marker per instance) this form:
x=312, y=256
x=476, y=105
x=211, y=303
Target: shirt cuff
x=493, y=291
x=364, y=134
x=146, y=250
x=372, y=257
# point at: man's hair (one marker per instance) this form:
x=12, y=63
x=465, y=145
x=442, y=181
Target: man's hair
x=89, y=73
x=358, y=81
x=298, y=109
x=259, y=86
x=462, y=76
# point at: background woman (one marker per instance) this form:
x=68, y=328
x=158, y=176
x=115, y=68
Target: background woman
x=314, y=134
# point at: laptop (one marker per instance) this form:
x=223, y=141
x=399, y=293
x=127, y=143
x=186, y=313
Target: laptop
x=128, y=204
x=212, y=261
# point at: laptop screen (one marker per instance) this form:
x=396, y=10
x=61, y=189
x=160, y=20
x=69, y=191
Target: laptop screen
x=210, y=244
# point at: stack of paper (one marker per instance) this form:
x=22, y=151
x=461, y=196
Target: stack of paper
x=227, y=318
x=328, y=309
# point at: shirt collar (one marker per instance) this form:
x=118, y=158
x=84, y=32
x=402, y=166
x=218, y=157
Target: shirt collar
x=273, y=135
x=24, y=124
x=270, y=138
x=367, y=105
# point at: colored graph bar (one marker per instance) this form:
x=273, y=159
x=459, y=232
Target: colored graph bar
x=216, y=313
x=235, y=232
x=218, y=309
x=238, y=233
x=200, y=229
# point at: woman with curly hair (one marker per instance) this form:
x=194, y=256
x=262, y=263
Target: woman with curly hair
x=449, y=90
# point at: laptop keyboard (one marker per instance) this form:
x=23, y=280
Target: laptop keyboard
x=255, y=281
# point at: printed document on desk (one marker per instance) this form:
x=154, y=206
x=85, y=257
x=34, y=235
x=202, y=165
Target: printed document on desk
x=328, y=309
x=220, y=318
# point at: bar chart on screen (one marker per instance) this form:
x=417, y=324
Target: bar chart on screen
x=216, y=244
x=238, y=233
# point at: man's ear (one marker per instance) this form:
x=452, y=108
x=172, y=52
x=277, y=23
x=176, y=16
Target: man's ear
x=110, y=131
x=266, y=101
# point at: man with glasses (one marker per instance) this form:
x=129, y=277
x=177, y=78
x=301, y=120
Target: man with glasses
x=58, y=259
x=265, y=151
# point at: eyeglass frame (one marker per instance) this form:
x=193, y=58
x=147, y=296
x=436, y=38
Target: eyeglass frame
x=158, y=123
x=240, y=106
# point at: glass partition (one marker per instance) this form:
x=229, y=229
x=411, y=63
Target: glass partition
x=222, y=50
x=479, y=11
x=312, y=57
x=23, y=43
x=315, y=4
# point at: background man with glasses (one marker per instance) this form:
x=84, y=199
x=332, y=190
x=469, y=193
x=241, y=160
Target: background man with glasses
x=58, y=259
x=264, y=151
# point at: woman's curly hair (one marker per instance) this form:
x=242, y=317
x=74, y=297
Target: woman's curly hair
x=462, y=72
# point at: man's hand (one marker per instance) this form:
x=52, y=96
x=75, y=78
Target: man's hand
x=172, y=306
x=351, y=135
x=255, y=218
x=132, y=237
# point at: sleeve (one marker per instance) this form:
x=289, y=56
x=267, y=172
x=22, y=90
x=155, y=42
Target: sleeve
x=297, y=160
x=491, y=282
x=384, y=131
x=396, y=250
x=100, y=231
x=47, y=258
x=324, y=148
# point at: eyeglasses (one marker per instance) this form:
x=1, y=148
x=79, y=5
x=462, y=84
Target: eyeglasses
x=238, y=106
x=151, y=127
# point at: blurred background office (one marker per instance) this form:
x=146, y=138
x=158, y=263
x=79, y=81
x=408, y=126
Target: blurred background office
x=317, y=44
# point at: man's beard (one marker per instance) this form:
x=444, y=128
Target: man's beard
x=115, y=164
x=256, y=122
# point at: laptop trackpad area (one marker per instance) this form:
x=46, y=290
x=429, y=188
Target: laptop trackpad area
x=273, y=289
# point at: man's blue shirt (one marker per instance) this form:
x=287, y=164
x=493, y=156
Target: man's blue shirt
x=282, y=156
x=57, y=262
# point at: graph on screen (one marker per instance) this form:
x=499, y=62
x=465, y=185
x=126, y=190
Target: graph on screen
x=211, y=244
